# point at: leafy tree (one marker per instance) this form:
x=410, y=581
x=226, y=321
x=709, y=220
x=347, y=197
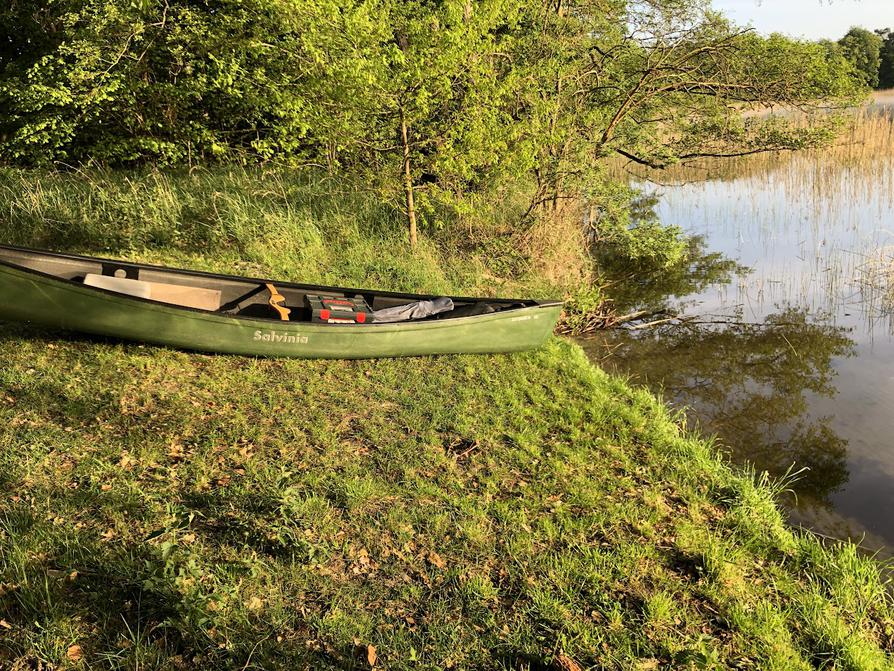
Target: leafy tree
x=434, y=99
x=125, y=81
x=862, y=48
x=886, y=59
x=660, y=81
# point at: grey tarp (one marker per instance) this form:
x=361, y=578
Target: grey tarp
x=417, y=310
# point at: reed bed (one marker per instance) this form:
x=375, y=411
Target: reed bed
x=832, y=206
x=866, y=136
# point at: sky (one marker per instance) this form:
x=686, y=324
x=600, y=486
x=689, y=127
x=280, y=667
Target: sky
x=811, y=19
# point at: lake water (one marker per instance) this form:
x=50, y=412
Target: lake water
x=789, y=360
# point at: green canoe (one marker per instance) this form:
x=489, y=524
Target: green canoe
x=236, y=315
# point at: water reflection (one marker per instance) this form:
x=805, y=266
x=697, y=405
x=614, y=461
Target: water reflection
x=810, y=378
x=749, y=384
x=657, y=289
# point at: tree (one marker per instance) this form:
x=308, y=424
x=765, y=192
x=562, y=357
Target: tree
x=124, y=81
x=435, y=97
x=886, y=59
x=663, y=81
x=862, y=48
x=432, y=100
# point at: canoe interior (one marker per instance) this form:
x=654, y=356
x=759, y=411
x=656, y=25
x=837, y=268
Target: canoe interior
x=240, y=297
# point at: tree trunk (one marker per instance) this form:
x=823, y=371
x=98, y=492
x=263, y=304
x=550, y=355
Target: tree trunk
x=408, y=180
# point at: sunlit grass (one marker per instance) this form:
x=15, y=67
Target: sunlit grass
x=167, y=510
x=288, y=224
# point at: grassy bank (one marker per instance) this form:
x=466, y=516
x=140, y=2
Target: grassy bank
x=165, y=510
x=292, y=225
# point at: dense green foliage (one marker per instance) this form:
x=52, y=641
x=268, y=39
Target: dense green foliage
x=862, y=48
x=165, y=510
x=625, y=234
x=434, y=99
x=871, y=53
x=886, y=59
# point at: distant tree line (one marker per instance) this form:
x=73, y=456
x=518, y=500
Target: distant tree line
x=871, y=53
x=434, y=99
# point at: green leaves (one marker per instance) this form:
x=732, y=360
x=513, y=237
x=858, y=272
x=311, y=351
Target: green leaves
x=489, y=92
x=862, y=48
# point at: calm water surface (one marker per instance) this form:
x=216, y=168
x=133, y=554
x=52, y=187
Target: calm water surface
x=792, y=359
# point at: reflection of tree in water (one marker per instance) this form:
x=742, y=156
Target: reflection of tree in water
x=749, y=384
x=651, y=288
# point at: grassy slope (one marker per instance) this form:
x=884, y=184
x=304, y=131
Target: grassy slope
x=283, y=224
x=173, y=510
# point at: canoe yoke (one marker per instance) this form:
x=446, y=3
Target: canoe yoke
x=278, y=302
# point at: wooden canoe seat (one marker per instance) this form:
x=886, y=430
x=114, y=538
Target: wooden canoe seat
x=175, y=294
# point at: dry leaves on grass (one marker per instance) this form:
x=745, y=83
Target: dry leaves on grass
x=564, y=663
x=74, y=653
x=366, y=651
x=436, y=560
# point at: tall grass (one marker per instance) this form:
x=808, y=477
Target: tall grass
x=290, y=224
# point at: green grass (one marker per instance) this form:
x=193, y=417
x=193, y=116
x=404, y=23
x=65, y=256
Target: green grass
x=287, y=224
x=167, y=510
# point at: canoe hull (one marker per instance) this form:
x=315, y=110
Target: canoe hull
x=39, y=299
